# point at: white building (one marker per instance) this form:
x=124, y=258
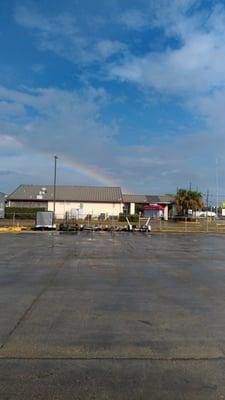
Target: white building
x=84, y=201
x=77, y=201
x=153, y=205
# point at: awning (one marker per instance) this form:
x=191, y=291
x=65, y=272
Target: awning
x=156, y=207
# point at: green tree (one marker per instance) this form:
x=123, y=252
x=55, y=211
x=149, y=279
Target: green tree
x=188, y=199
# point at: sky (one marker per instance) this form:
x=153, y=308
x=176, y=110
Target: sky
x=126, y=93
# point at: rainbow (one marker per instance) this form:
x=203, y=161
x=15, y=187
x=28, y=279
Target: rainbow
x=92, y=172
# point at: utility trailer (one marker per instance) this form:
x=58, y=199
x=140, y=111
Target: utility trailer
x=142, y=228
x=45, y=220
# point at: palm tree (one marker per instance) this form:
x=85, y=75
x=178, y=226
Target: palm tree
x=188, y=199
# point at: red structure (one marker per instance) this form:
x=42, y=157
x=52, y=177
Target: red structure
x=154, y=210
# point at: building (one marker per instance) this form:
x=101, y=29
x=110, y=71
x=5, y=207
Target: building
x=150, y=205
x=76, y=201
x=92, y=201
x=2, y=204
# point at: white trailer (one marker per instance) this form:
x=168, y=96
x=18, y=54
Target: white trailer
x=45, y=220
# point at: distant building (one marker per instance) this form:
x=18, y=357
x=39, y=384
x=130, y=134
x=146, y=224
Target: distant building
x=92, y=201
x=150, y=205
x=2, y=204
x=77, y=201
x=155, y=211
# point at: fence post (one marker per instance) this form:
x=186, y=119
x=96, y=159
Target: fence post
x=14, y=215
x=185, y=224
x=207, y=224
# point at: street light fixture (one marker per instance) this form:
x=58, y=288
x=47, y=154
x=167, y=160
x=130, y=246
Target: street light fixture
x=54, y=195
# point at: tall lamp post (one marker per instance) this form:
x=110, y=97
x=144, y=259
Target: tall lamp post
x=54, y=195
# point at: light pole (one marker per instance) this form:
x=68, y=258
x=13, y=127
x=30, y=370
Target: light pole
x=54, y=194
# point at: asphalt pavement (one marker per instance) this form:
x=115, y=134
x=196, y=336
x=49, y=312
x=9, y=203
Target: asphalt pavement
x=98, y=315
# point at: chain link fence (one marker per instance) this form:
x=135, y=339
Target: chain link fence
x=181, y=224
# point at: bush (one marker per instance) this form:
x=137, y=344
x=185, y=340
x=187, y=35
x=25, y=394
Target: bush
x=132, y=218
x=22, y=212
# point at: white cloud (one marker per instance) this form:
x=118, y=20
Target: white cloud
x=70, y=119
x=9, y=109
x=197, y=65
x=65, y=36
x=69, y=124
x=38, y=68
x=211, y=107
x=8, y=143
x=134, y=19
x=62, y=122
x=64, y=24
x=107, y=48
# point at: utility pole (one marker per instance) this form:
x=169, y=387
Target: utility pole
x=207, y=199
x=54, y=195
x=217, y=187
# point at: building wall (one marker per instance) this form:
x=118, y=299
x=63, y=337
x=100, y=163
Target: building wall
x=132, y=208
x=27, y=204
x=2, y=208
x=94, y=209
x=166, y=213
x=153, y=213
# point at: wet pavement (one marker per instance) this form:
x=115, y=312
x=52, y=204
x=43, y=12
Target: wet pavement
x=112, y=316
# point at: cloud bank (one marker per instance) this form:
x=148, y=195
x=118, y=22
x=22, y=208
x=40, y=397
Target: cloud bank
x=162, y=50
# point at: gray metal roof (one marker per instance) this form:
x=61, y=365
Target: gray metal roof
x=167, y=198
x=153, y=198
x=67, y=193
x=134, y=198
x=147, y=198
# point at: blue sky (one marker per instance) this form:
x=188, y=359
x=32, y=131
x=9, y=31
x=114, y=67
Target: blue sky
x=130, y=93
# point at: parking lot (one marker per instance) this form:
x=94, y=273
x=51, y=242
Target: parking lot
x=98, y=315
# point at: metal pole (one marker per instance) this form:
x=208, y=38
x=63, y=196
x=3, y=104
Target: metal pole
x=54, y=195
x=217, y=188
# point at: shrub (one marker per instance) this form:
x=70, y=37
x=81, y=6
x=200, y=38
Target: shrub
x=132, y=218
x=21, y=212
